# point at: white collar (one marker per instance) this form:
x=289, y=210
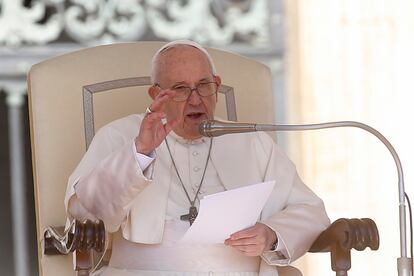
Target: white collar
x=182, y=140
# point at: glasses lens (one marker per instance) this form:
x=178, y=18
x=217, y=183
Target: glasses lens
x=203, y=89
x=206, y=89
x=181, y=93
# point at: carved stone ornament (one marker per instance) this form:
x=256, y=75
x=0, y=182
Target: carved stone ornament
x=216, y=22
x=105, y=21
x=19, y=23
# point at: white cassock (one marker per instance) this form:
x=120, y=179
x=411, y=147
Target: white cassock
x=140, y=200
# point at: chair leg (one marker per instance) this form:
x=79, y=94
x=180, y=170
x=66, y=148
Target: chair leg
x=340, y=261
x=83, y=262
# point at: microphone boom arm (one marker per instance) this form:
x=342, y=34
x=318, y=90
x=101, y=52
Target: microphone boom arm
x=217, y=128
x=404, y=263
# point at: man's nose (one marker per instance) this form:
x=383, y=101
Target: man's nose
x=194, y=98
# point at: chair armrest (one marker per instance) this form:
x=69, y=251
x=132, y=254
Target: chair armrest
x=344, y=235
x=82, y=238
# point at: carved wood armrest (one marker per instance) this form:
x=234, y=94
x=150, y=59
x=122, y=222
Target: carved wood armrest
x=79, y=237
x=344, y=235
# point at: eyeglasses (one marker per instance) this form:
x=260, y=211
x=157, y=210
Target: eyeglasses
x=203, y=89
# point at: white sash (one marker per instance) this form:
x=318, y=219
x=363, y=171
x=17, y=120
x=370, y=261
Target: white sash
x=176, y=257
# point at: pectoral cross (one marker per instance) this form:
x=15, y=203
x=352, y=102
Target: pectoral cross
x=191, y=216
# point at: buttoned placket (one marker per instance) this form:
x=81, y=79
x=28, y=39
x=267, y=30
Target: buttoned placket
x=189, y=154
x=197, y=155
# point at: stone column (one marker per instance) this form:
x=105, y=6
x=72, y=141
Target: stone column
x=15, y=100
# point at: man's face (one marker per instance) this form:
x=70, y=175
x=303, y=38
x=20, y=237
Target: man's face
x=186, y=66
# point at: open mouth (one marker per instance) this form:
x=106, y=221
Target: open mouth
x=195, y=115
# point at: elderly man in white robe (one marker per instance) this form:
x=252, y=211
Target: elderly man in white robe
x=143, y=175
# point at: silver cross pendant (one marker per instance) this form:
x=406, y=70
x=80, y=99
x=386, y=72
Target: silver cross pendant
x=191, y=216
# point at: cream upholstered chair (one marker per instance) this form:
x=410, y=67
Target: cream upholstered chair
x=72, y=96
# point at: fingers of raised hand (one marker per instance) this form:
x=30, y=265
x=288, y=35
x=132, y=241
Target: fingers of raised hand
x=170, y=125
x=161, y=99
x=165, y=93
x=152, y=118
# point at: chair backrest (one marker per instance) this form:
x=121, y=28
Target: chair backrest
x=102, y=84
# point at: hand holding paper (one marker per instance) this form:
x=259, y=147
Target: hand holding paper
x=225, y=213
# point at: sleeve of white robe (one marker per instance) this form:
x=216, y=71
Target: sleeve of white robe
x=303, y=216
x=107, y=180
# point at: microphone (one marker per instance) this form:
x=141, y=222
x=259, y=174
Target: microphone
x=214, y=128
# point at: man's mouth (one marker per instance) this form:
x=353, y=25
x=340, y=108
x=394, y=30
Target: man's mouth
x=195, y=115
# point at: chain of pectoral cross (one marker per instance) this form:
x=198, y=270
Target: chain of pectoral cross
x=192, y=212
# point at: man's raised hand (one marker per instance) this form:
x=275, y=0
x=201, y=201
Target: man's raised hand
x=153, y=131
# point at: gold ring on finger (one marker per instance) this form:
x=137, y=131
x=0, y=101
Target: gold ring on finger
x=148, y=111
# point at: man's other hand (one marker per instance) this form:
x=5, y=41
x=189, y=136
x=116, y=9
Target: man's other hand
x=253, y=241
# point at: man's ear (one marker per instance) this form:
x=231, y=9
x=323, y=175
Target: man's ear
x=152, y=92
x=217, y=79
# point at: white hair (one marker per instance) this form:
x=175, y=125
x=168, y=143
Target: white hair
x=175, y=43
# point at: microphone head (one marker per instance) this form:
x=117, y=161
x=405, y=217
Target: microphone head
x=214, y=128
x=205, y=128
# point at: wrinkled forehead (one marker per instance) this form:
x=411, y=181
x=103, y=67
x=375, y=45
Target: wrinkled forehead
x=179, y=51
x=182, y=54
x=183, y=64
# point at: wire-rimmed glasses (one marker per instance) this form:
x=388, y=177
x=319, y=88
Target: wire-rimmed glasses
x=203, y=89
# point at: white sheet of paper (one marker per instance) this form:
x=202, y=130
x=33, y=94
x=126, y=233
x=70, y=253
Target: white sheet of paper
x=225, y=213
